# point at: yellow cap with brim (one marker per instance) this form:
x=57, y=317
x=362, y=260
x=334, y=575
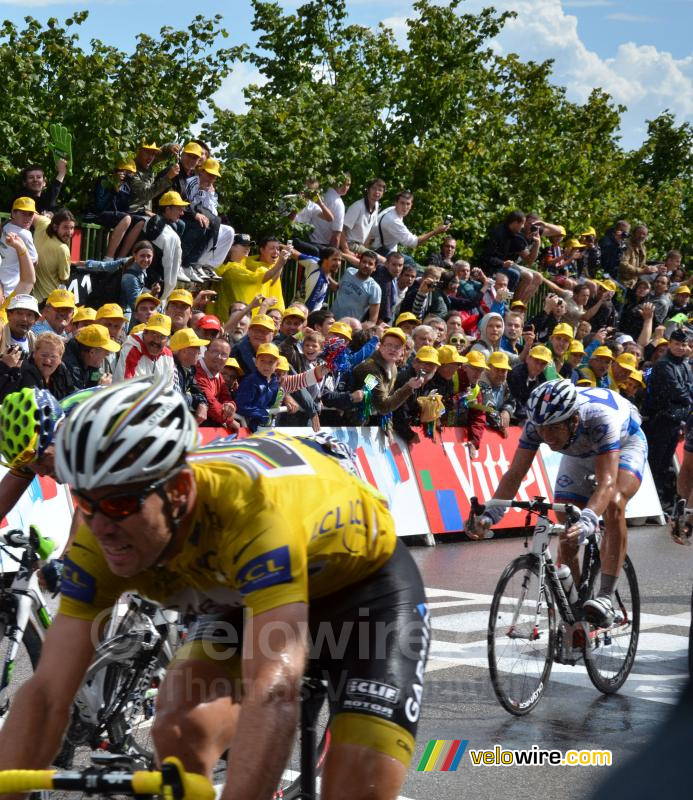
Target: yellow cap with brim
x=24, y=204
x=153, y=146
x=406, y=316
x=159, y=323
x=563, y=329
x=638, y=377
x=589, y=231
x=574, y=244
x=186, y=337
x=610, y=286
x=282, y=364
x=110, y=311
x=340, y=329
x=627, y=361
x=585, y=382
x=137, y=328
x=211, y=166
x=147, y=296
x=126, y=166
x=84, y=314
x=193, y=149
x=541, y=353
x=263, y=321
x=180, y=296
x=447, y=354
x=576, y=347
x=231, y=362
x=659, y=342
x=97, y=336
x=602, y=352
x=398, y=332
x=269, y=349
x=475, y=358
x=293, y=311
x=683, y=290
x=499, y=360
x=518, y=304
x=428, y=355
x=61, y=298
x=172, y=199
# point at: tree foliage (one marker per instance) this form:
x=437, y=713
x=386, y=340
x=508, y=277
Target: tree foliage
x=471, y=131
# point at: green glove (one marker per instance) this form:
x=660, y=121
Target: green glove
x=61, y=143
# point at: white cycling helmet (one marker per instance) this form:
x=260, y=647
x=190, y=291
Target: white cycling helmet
x=553, y=401
x=134, y=432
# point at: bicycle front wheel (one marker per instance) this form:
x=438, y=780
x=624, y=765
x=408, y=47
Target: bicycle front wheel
x=610, y=652
x=521, y=636
x=14, y=672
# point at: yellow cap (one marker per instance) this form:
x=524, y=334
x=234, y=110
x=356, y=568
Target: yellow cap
x=83, y=314
x=193, y=149
x=563, y=329
x=126, y=166
x=589, y=231
x=152, y=146
x=560, y=230
x=585, y=382
x=159, y=323
x=499, y=360
x=186, y=337
x=231, y=362
x=447, y=354
x=574, y=244
x=61, y=298
x=110, y=311
x=137, y=328
x=180, y=296
x=406, y=316
x=263, y=321
x=602, y=352
x=428, y=355
x=398, y=332
x=211, y=165
x=282, y=364
x=172, y=199
x=293, y=311
x=627, y=361
x=541, y=353
x=576, y=347
x=517, y=304
x=340, y=329
x=659, y=342
x=24, y=204
x=683, y=290
x=475, y=358
x=147, y=296
x=267, y=350
x=97, y=336
x=610, y=286
x=638, y=377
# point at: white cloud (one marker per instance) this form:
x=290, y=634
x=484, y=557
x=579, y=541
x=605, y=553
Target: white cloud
x=230, y=93
x=622, y=16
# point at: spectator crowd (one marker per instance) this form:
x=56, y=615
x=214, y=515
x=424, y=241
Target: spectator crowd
x=369, y=332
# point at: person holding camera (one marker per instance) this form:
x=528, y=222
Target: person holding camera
x=426, y=296
x=612, y=246
x=391, y=232
x=633, y=262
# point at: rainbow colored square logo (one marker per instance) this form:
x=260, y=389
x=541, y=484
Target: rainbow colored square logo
x=442, y=755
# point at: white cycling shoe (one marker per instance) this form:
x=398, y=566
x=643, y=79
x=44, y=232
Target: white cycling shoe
x=599, y=611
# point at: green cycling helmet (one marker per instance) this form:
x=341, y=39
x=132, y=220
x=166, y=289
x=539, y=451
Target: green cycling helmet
x=28, y=420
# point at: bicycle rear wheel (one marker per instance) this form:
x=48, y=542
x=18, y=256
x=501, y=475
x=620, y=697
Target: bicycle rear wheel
x=14, y=673
x=610, y=652
x=521, y=636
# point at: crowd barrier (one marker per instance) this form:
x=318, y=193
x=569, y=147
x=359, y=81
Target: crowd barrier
x=427, y=484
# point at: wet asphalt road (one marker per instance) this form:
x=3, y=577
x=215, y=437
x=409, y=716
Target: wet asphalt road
x=459, y=700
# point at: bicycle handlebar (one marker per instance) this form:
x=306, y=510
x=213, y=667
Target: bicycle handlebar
x=538, y=505
x=43, y=545
x=173, y=782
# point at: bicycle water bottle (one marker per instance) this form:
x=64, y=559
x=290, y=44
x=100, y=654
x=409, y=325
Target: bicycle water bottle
x=565, y=576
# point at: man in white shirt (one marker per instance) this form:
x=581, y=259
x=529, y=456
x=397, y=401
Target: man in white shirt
x=324, y=233
x=360, y=221
x=21, y=220
x=391, y=232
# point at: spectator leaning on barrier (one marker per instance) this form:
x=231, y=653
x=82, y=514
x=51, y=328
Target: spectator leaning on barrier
x=147, y=353
x=52, y=238
x=496, y=396
x=423, y=365
x=57, y=313
x=258, y=391
x=359, y=295
x=185, y=346
x=22, y=313
x=44, y=368
x=21, y=220
x=526, y=376
x=85, y=355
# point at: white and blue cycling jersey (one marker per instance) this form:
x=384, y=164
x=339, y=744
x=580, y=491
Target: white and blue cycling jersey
x=608, y=422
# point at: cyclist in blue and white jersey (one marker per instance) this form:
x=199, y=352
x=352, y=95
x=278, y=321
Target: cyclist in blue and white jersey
x=598, y=432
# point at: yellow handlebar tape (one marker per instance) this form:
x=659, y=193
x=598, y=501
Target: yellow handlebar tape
x=26, y=780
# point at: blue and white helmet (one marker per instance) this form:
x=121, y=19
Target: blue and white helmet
x=553, y=401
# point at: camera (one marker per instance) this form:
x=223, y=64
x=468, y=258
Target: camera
x=448, y=219
x=422, y=373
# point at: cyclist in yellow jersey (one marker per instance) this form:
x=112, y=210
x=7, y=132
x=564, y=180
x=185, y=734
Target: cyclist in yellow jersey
x=293, y=566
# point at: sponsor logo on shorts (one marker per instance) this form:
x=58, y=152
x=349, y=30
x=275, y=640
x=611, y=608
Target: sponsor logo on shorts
x=365, y=705
x=367, y=688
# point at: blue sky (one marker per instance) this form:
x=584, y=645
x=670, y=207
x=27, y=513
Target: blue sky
x=637, y=50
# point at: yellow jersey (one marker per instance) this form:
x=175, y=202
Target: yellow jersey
x=275, y=522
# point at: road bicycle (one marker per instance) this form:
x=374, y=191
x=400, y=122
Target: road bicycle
x=112, y=777
x=525, y=636
x=115, y=704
